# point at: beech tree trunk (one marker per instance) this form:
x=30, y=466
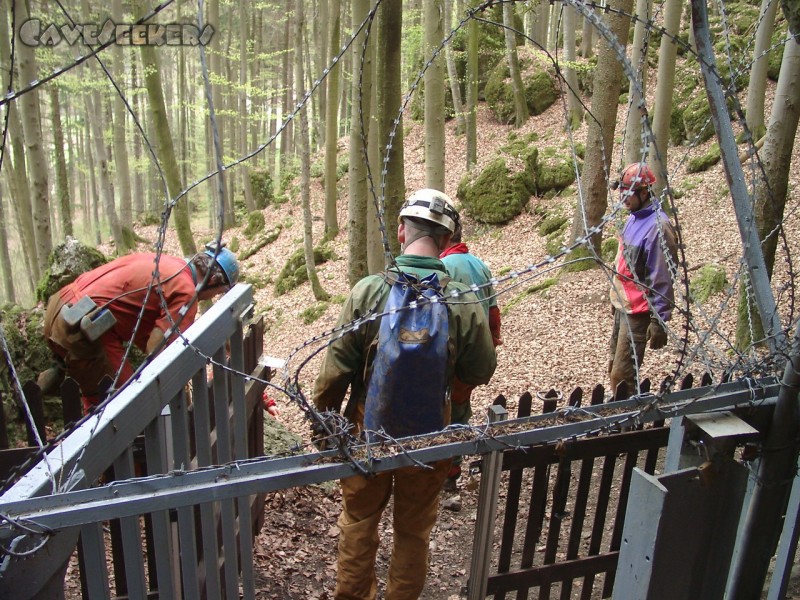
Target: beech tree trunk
x=633, y=127
x=165, y=149
x=62, y=180
x=452, y=74
x=434, y=97
x=776, y=157
x=517, y=87
x=34, y=149
x=472, y=91
x=305, y=161
x=359, y=130
x=754, y=111
x=331, y=124
x=664, y=90
x=389, y=100
x=600, y=135
x=574, y=107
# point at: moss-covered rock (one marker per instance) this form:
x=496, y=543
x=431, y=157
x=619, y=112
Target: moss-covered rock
x=501, y=190
x=263, y=192
x=704, y=162
x=29, y=352
x=255, y=223
x=67, y=260
x=294, y=272
x=710, y=280
x=555, y=170
x=553, y=223
x=538, y=76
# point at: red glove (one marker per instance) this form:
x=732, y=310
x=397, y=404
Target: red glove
x=270, y=405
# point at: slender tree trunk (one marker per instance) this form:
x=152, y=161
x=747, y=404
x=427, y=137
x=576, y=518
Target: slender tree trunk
x=472, y=91
x=244, y=112
x=600, y=135
x=34, y=149
x=574, y=106
x=62, y=181
x=517, y=87
x=452, y=74
x=331, y=125
x=633, y=126
x=664, y=90
x=375, y=256
x=358, y=190
x=305, y=161
x=9, y=293
x=215, y=68
x=137, y=183
x=165, y=149
x=758, y=71
x=554, y=29
x=587, y=39
x=18, y=177
x=389, y=100
x=94, y=105
x=434, y=98
x=542, y=22
x=287, y=147
x=120, y=146
x=93, y=199
x=322, y=32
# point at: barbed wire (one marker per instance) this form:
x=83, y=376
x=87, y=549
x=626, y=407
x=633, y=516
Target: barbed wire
x=515, y=277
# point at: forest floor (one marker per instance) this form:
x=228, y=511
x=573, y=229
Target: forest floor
x=554, y=338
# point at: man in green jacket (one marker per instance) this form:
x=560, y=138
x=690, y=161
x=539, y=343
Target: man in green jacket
x=426, y=224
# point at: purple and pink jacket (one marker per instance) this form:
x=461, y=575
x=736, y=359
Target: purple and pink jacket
x=642, y=272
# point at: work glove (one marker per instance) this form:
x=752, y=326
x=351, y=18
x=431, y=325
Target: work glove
x=656, y=334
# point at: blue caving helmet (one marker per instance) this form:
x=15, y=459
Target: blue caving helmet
x=227, y=262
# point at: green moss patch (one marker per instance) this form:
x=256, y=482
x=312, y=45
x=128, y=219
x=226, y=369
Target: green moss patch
x=294, y=271
x=710, y=280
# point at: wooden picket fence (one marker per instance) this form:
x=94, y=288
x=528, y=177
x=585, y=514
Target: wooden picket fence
x=560, y=526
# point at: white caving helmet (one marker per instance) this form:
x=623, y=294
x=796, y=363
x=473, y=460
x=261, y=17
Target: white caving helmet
x=433, y=206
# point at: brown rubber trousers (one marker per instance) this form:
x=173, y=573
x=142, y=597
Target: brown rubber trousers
x=416, y=505
x=628, y=339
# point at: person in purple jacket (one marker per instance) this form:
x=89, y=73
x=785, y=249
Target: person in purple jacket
x=642, y=294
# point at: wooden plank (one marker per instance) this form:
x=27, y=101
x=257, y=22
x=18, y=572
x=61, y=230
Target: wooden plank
x=598, y=527
x=578, y=518
x=558, y=511
x=535, y=576
x=533, y=529
x=593, y=447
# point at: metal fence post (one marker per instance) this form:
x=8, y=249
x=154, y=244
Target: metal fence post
x=491, y=468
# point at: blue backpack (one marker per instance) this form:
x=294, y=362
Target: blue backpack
x=407, y=391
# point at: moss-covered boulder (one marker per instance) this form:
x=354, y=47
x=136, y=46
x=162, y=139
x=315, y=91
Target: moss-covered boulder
x=705, y=161
x=710, y=280
x=555, y=170
x=263, y=189
x=29, y=352
x=294, y=271
x=500, y=191
x=255, y=224
x=67, y=260
x=538, y=76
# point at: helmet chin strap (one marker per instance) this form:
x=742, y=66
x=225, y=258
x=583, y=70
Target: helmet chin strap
x=420, y=232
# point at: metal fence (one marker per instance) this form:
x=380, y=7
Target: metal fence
x=177, y=416
x=186, y=524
